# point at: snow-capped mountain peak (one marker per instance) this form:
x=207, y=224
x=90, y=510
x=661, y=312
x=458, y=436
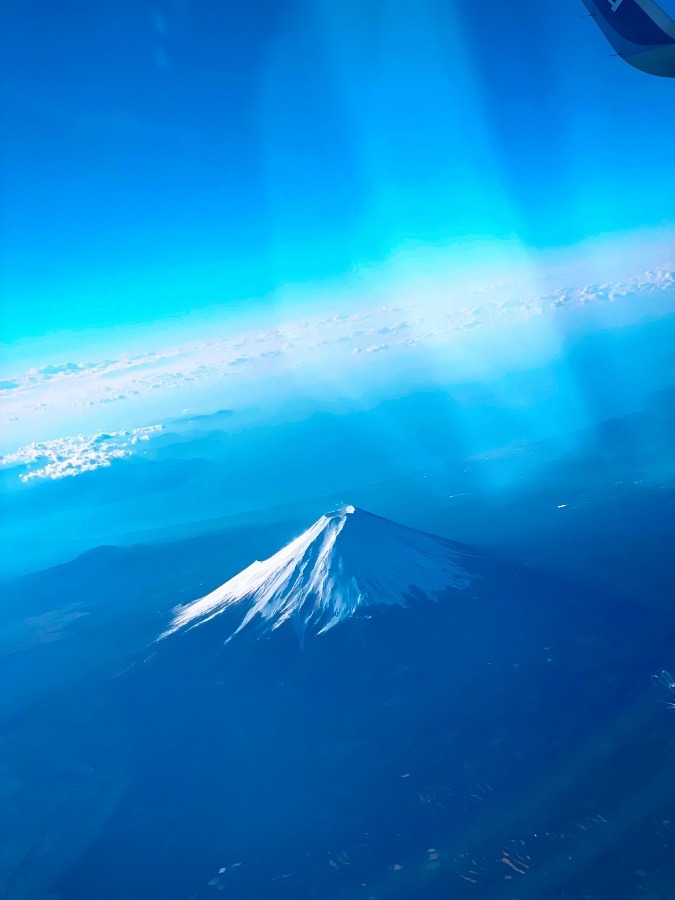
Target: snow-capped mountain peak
x=344, y=562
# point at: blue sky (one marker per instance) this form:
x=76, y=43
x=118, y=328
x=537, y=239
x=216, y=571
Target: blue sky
x=164, y=158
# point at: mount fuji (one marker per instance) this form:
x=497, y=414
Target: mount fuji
x=435, y=730
x=346, y=563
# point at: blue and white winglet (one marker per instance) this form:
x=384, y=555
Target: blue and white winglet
x=640, y=32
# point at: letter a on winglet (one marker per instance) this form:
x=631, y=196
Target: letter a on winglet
x=640, y=32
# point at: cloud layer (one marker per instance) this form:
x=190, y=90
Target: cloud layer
x=153, y=385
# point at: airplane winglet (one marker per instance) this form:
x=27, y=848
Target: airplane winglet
x=640, y=32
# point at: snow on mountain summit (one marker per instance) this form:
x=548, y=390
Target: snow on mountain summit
x=344, y=562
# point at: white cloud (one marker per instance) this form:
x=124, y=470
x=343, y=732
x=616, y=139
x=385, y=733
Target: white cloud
x=70, y=456
x=56, y=394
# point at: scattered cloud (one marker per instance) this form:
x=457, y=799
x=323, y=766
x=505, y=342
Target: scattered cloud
x=222, y=363
x=70, y=456
x=68, y=368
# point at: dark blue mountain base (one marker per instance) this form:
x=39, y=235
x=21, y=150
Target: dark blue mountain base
x=506, y=740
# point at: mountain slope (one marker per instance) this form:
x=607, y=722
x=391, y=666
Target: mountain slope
x=423, y=751
x=343, y=563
